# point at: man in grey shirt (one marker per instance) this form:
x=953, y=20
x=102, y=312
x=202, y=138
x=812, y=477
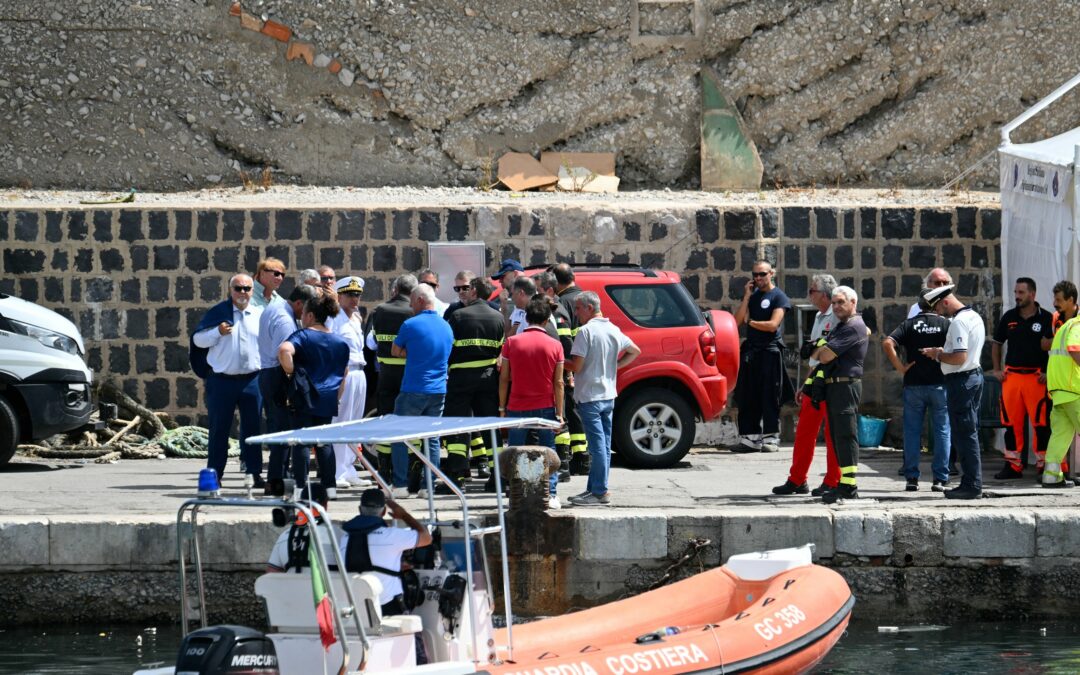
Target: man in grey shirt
x=595, y=360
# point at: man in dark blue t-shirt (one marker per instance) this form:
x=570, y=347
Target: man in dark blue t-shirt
x=424, y=341
x=763, y=382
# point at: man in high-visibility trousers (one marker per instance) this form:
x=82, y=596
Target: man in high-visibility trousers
x=1023, y=381
x=1063, y=381
x=383, y=326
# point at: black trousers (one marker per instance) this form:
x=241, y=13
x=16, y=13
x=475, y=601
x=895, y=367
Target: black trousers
x=470, y=391
x=760, y=391
x=842, y=404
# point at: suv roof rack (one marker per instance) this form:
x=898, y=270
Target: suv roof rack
x=596, y=267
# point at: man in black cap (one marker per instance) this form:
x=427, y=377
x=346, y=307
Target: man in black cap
x=509, y=270
x=370, y=545
x=959, y=360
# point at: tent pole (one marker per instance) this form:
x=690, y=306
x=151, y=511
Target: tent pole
x=1037, y=108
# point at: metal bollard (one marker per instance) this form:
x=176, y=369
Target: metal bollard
x=526, y=470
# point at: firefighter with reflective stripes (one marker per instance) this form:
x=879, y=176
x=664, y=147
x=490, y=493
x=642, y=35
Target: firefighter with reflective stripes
x=574, y=437
x=1063, y=381
x=382, y=328
x=473, y=384
x=1025, y=329
x=548, y=285
x=843, y=355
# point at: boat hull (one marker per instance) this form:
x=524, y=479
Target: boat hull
x=785, y=624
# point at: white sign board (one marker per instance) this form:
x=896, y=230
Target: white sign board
x=1037, y=179
x=448, y=258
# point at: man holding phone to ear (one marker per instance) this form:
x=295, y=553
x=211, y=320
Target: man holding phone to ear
x=229, y=335
x=761, y=388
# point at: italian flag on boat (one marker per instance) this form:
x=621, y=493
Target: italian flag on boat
x=323, y=613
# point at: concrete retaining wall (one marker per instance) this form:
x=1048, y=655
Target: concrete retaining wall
x=136, y=280
x=903, y=565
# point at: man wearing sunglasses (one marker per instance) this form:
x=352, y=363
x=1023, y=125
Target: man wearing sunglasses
x=228, y=337
x=269, y=274
x=763, y=384
x=430, y=277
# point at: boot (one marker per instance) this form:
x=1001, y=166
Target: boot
x=842, y=491
x=416, y=476
x=480, y=464
x=579, y=464
x=564, y=463
x=386, y=468
x=1008, y=473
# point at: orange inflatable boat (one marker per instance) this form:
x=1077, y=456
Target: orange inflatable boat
x=771, y=612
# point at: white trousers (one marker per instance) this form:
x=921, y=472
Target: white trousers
x=350, y=407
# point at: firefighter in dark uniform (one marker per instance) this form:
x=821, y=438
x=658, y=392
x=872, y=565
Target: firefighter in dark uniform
x=1024, y=328
x=382, y=328
x=473, y=384
x=572, y=440
x=545, y=281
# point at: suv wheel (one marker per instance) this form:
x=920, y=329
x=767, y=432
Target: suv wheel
x=654, y=428
x=9, y=431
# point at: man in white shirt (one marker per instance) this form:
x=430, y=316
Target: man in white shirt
x=290, y=550
x=370, y=545
x=354, y=395
x=959, y=360
x=230, y=333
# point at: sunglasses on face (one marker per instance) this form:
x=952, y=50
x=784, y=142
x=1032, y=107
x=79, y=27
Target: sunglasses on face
x=242, y=289
x=430, y=283
x=328, y=277
x=462, y=289
x=760, y=274
x=276, y=273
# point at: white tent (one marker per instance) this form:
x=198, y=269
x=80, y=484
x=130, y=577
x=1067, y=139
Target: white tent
x=1040, y=210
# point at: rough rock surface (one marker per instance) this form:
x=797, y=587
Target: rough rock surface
x=112, y=94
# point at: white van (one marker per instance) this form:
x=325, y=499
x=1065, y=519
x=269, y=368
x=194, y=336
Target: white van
x=44, y=381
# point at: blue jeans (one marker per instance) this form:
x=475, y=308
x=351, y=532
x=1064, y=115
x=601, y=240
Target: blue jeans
x=425, y=405
x=596, y=417
x=918, y=401
x=965, y=394
x=547, y=436
x=223, y=396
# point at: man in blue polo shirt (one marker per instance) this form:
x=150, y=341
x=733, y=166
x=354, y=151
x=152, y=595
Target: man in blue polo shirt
x=424, y=341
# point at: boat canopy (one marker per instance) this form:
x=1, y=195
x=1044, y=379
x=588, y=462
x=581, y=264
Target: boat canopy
x=397, y=428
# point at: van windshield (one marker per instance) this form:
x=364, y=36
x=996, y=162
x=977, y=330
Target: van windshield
x=657, y=305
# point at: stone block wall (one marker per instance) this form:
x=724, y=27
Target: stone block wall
x=136, y=280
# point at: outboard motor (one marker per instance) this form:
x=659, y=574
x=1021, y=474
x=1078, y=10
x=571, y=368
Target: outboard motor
x=227, y=650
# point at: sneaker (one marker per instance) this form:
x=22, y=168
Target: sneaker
x=844, y=491
x=580, y=495
x=358, y=482
x=331, y=493
x=789, y=488
x=399, y=492
x=770, y=447
x=821, y=489
x=940, y=485
x=1008, y=473
x=746, y=445
x=343, y=484
x=553, y=503
x=963, y=492
x=592, y=500
x=912, y=485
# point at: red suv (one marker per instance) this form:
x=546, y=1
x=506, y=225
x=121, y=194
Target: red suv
x=689, y=361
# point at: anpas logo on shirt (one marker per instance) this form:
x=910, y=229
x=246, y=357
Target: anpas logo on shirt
x=925, y=328
x=765, y=302
x=1036, y=327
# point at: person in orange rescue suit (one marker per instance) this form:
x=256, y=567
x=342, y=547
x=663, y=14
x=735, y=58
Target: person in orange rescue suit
x=1026, y=330
x=472, y=386
x=573, y=439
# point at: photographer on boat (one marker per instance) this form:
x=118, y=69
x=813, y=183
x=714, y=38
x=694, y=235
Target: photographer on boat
x=290, y=552
x=371, y=545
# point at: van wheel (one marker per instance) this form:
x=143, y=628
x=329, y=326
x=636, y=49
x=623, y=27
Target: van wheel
x=9, y=431
x=654, y=428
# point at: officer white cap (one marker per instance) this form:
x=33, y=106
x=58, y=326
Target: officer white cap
x=349, y=285
x=932, y=295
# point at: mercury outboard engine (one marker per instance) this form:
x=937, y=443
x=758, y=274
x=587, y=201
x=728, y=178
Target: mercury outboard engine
x=227, y=650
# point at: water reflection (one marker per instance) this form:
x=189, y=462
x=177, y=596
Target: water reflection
x=1004, y=648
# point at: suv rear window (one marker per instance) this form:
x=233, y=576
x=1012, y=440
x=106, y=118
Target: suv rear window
x=657, y=305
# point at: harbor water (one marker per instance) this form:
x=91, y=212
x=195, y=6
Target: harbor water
x=960, y=649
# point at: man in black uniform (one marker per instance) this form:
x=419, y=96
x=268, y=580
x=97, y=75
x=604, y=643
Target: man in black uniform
x=1024, y=328
x=843, y=355
x=572, y=440
x=763, y=384
x=473, y=384
x=548, y=285
x=382, y=328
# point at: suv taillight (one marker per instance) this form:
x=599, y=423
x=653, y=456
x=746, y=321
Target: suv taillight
x=707, y=343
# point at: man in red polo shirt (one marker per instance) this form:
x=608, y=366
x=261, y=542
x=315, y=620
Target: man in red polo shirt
x=531, y=379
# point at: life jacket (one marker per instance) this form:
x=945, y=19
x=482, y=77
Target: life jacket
x=298, y=542
x=357, y=552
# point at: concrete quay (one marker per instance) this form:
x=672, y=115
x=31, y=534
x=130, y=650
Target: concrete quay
x=87, y=542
